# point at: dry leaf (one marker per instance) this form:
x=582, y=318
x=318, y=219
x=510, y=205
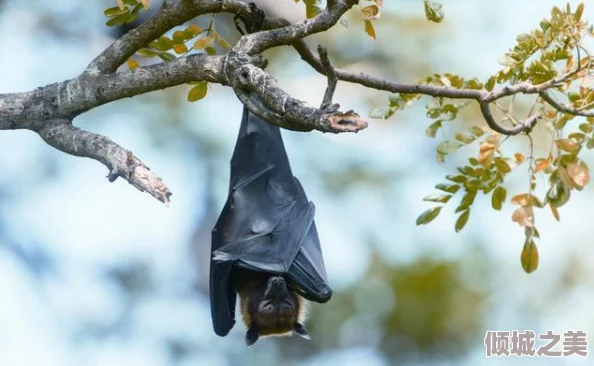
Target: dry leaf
x=524, y=216
x=369, y=29
x=519, y=157
x=579, y=174
x=121, y=4
x=523, y=199
x=371, y=12
x=543, y=164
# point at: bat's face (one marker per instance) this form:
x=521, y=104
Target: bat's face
x=270, y=308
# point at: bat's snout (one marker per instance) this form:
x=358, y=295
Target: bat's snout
x=276, y=287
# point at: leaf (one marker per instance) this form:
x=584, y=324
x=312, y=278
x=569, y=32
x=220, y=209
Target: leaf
x=116, y=10
x=464, y=138
x=519, y=157
x=486, y=153
x=524, y=216
x=428, y=216
x=447, y=147
x=554, y=211
x=433, y=11
x=369, y=29
x=178, y=36
x=198, y=91
x=440, y=198
x=431, y=131
x=579, y=174
x=543, y=164
x=180, y=48
x=462, y=220
x=145, y=52
x=166, y=56
x=371, y=12
x=567, y=145
x=523, y=199
x=121, y=4
x=450, y=188
x=146, y=4
x=529, y=256
x=132, y=63
x=498, y=197
x=211, y=51
x=194, y=29
x=203, y=42
x=222, y=42
x=312, y=8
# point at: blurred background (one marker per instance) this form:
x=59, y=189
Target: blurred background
x=95, y=273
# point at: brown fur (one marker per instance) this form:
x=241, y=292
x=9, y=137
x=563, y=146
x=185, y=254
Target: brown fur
x=270, y=317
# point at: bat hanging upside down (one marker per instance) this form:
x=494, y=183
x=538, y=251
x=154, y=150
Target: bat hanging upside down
x=265, y=246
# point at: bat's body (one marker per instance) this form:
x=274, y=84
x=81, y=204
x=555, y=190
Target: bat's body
x=266, y=232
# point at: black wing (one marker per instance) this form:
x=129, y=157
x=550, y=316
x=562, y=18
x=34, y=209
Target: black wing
x=266, y=225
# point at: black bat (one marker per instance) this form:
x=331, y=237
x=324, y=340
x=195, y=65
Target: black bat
x=265, y=245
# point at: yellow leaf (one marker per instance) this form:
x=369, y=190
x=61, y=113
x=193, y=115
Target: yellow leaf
x=524, y=216
x=371, y=12
x=132, y=63
x=543, y=164
x=146, y=4
x=486, y=151
x=369, y=29
x=195, y=29
x=519, y=157
x=529, y=256
x=203, y=42
x=579, y=174
x=523, y=199
x=180, y=48
x=121, y=4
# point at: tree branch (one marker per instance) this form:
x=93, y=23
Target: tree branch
x=564, y=107
x=61, y=134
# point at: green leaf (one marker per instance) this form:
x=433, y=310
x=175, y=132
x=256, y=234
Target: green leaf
x=462, y=220
x=198, y=92
x=145, y=52
x=456, y=178
x=166, y=56
x=433, y=11
x=312, y=8
x=477, y=131
x=439, y=198
x=529, y=257
x=428, y=216
x=498, y=197
x=450, y=188
x=431, y=131
x=447, y=147
x=112, y=12
x=464, y=138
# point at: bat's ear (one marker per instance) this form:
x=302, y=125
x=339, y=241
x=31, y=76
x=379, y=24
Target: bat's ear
x=252, y=335
x=300, y=330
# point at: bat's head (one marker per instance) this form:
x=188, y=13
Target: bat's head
x=270, y=308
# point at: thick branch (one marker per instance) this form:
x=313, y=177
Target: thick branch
x=75, y=96
x=60, y=134
x=165, y=19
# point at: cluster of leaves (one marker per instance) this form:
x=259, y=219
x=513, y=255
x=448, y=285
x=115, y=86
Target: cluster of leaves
x=553, y=51
x=125, y=12
x=182, y=42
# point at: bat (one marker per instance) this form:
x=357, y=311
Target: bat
x=265, y=245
